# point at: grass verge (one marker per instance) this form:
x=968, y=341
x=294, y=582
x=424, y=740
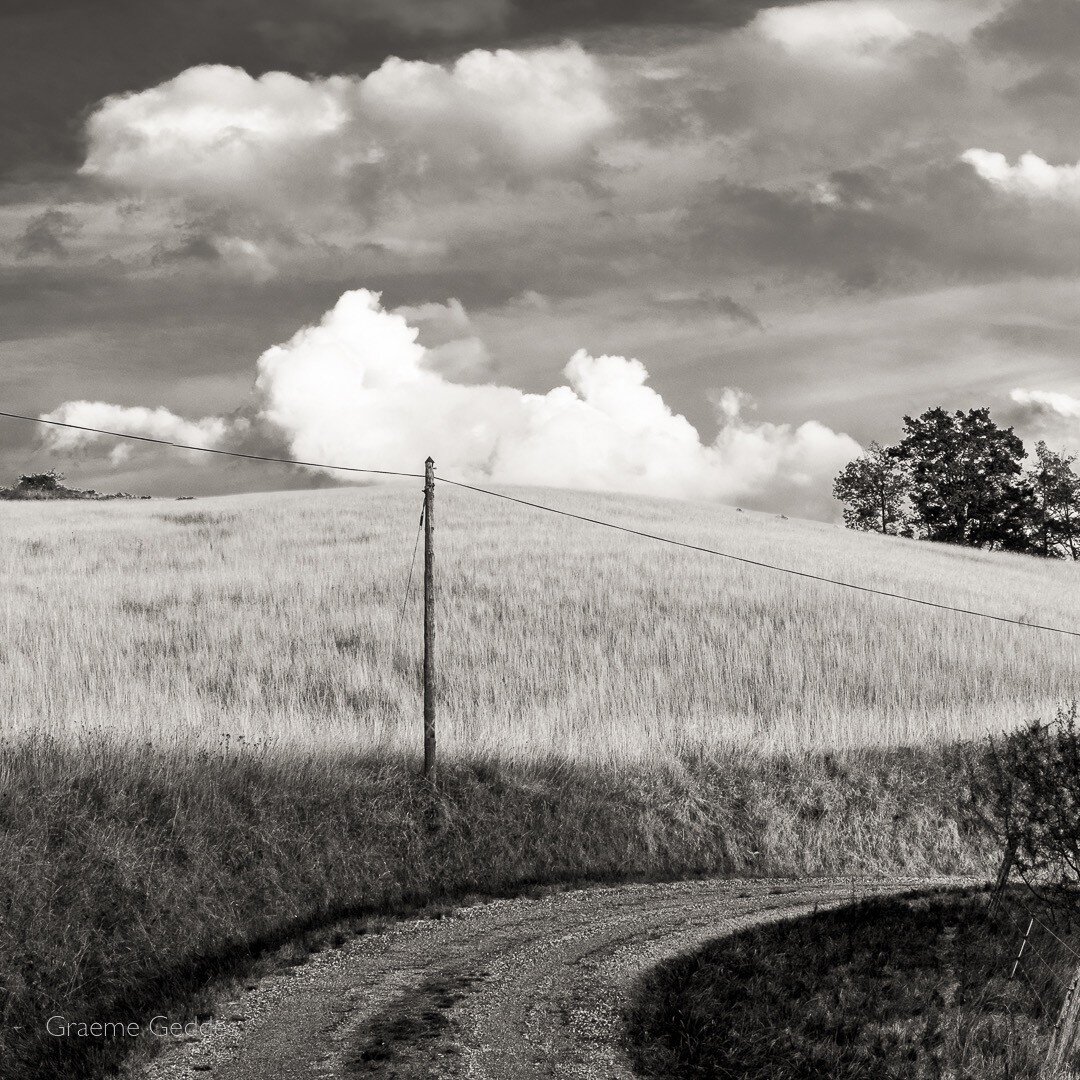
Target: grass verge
x=912, y=988
x=130, y=876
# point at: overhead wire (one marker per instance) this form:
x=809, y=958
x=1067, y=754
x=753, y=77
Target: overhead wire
x=552, y=510
x=757, y=562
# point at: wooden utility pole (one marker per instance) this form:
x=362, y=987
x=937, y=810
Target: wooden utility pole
x=1064, y=1037
x=429, y=620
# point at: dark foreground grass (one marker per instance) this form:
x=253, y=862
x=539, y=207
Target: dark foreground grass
x=129, y=877
x=884, y=990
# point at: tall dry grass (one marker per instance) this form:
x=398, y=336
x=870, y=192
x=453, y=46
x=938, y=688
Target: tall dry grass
x=209, y=721
x=274, y=618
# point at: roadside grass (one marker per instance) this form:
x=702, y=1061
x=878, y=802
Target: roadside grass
x=131, y=875
x=889, y=989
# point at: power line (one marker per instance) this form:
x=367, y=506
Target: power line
x=209, y=449
x=552, y=510
x=763, y=565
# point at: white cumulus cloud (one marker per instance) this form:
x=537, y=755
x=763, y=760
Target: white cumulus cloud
x=1048, y=402
x=1031, y=175
x=217, y=132
x=360, y=389
x=159, y=423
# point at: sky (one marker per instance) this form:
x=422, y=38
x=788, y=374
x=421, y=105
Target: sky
x=706, y=249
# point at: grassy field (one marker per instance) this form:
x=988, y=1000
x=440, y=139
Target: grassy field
x=209, y=721
x=885, y=990
x=274, y=618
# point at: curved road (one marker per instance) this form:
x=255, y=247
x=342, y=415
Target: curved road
x=510, y=990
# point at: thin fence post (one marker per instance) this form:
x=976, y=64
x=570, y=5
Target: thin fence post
x=1023, y=946
x=1064, y=1036
x=429, y=619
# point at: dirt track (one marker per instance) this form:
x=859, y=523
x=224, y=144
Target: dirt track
x=511, y=990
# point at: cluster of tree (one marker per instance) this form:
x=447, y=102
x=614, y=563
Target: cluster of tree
x=959, y=478
x=46, y=481
x=50, y=485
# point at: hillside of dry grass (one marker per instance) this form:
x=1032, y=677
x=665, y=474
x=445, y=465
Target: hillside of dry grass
x=209, y=720
x=275, y=618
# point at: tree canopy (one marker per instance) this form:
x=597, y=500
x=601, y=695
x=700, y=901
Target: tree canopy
x=46, y=481
x=959, y=478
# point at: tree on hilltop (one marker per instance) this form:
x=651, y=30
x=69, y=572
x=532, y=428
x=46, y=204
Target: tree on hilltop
x=1056, y=504
x=959, y=478
x=874, y=491
x=967, y=484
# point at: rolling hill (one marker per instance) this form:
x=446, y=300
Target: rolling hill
x=210, y=721
x=278, y=618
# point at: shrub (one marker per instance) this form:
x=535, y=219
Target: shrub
x=46, y=481
x=1026, y=789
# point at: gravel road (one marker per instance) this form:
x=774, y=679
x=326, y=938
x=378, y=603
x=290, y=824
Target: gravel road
x=509, y=990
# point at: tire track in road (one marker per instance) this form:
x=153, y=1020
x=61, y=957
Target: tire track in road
x=524, y=989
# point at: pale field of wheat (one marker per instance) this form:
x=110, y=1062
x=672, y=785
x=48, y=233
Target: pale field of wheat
x=273, y=619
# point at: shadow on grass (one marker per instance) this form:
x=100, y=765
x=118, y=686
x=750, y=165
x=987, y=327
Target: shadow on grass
x=913, y=987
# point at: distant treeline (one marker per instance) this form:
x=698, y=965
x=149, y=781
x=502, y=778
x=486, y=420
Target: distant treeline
x=959, y=478
x=50, y=485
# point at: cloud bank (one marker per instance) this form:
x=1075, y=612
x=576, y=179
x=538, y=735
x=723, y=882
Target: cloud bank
x=1048, y=402
x=452, y=346
x=215, y=132
x=360, y=389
